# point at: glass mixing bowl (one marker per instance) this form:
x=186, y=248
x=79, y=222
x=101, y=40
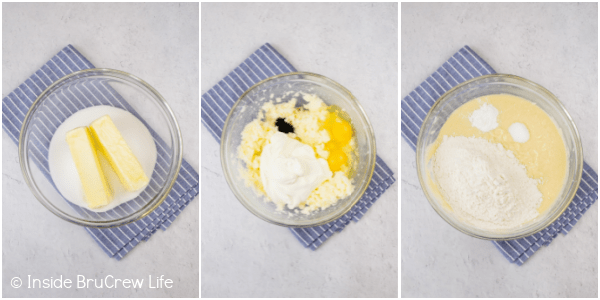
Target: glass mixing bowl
x=94, y=87
x=246, y=110
x=501, y=84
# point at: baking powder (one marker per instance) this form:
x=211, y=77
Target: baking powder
x=484, y=118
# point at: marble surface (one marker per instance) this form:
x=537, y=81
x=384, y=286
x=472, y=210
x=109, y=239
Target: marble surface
x=555, y=45
x=355, y=45
x=158, y=43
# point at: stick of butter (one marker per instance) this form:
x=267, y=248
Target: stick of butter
x=119, y=155
x=95, y=187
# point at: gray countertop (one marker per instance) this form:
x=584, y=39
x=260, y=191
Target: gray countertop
x=554, y=45
x=156, y=42
x=355, y=45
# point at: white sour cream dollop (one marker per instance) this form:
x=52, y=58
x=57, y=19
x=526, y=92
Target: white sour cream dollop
x=290, y=171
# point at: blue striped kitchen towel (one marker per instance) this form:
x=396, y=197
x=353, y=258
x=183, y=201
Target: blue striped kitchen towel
x=217, y=102
x=462, y=66
x=116, y=242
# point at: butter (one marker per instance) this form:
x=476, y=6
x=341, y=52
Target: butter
x=96, y=189
x=119, y=155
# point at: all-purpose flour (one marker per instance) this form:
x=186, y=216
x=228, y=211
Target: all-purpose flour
x=484, y=183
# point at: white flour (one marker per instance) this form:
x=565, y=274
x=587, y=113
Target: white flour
x=484, y=183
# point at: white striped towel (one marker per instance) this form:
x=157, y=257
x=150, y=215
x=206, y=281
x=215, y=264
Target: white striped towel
x=462, y=66
x=116, y=242
x=217, y=102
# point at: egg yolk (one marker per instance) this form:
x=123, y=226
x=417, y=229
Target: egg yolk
x=337, y=158
x=329, y=121
x=341, y=131
x=330, y=146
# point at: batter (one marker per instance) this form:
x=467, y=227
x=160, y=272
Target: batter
x=543, y=154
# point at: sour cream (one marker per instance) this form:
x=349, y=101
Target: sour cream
x=290, y=171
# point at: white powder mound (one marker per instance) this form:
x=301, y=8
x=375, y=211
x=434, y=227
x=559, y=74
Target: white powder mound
x=484, y=118
x=484, y=183
x=519, y=133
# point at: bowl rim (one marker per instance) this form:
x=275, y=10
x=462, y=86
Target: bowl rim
x=370, y=133
x=145, y=210
x=578, y=146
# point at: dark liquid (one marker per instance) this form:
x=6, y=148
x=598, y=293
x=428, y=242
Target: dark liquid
x=284, y=126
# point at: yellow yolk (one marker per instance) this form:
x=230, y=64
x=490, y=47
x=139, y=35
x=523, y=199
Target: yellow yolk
x=340, y=133
x=329, y=122
x=337, y=158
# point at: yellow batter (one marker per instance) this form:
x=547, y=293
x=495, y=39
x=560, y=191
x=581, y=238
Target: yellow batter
x=544, y=154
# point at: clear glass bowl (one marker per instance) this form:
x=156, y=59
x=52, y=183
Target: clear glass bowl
x=246, y=109
x=93, y=87
x=501, y=84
